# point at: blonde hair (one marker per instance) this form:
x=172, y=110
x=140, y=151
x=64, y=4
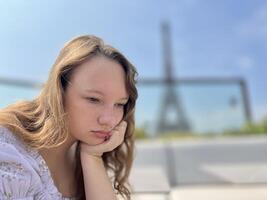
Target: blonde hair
x=42, y=122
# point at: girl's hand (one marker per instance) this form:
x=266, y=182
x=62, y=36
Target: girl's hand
x=116, y=138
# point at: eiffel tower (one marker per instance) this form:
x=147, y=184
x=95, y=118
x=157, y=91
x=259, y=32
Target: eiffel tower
x=172, y=116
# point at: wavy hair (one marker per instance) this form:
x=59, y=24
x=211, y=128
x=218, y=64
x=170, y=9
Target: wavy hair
x=42, y=121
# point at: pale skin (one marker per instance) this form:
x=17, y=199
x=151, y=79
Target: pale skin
x=94, y=101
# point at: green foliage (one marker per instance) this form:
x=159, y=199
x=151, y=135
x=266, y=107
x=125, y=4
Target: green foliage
x=140, y=133
x=260, y=127
x=250, y=129
x=177, y=134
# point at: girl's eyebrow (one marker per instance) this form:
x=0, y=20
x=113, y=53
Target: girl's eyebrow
x=95, y=91
x=101, y=93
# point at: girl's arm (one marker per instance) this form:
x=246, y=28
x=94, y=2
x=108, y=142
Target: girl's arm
x=96, y=181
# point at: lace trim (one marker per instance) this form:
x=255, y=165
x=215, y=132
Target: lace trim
x=45, y=175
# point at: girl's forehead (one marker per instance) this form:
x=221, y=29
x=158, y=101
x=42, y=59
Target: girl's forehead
x=100, y=74
x=120, y=95
x=107, y=83
x=99, y=68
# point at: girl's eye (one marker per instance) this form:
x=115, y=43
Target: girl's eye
x=93, y=99
x=120, y=105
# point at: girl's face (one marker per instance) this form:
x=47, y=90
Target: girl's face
x=95, y=99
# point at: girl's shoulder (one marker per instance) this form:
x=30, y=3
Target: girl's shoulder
x=18, y=177
x=23, y=172
x=14, y=148
x=7, y=136
x=10, y=139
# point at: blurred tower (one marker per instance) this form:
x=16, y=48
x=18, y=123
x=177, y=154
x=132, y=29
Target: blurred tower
x=172, y=116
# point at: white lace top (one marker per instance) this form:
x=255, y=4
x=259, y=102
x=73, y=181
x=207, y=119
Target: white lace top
x=24, y=174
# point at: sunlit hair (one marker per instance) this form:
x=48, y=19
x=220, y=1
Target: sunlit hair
x=42, y=122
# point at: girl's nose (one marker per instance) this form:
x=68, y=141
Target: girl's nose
x=107, y=119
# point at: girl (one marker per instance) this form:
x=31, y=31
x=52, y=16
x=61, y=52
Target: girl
x=75, y=140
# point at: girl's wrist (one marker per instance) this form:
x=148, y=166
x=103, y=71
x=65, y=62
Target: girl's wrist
x=87, y=156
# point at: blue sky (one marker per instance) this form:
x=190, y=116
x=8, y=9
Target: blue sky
x=209, y=37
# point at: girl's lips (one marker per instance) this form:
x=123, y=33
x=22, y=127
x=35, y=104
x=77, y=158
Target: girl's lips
x=100, y=134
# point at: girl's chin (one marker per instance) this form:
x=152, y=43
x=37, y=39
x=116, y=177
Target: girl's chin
x=96, y=142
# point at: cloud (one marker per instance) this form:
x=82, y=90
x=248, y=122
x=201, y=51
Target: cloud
x=255, y=26
x=245, y=62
